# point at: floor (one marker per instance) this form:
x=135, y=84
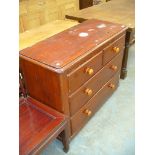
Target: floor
x=111, y=131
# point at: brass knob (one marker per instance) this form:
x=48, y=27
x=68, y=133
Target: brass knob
x=88, y=91
x=113, y=67
x=112, y=86
x=116, y=49
x=89, y=71
x=88, y=112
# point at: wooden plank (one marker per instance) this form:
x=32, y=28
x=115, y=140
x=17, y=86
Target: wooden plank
x=117, y=11
x=31, y=37
x=34, y=13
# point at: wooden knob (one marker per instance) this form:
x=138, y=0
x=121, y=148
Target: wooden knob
x=89, y=71
x=113, y=67
x=116, y=49
x=88, y=91
x=88, y=112
x=112, y=86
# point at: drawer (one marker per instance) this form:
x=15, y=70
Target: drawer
x=84, y=72
x=113, y=49
x=89, y=89
x=85, y=113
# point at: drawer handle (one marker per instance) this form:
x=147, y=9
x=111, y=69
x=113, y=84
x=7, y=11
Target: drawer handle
x=112, y=86
x=89, y=71
x=89, y=92
x=116, y=49
x=88, y=112
x=113, y=67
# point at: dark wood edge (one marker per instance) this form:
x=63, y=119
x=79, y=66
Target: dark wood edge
x=125, y=56
x=46, y=108
x=38, y=149
x=80, y=20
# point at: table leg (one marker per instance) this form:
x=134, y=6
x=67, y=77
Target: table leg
x=65, y=139
x=125, y=56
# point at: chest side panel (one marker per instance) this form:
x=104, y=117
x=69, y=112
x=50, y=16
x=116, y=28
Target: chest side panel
x=42, y=84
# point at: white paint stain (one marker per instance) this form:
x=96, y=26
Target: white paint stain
x=72, y=32
x=83, y=34
x=91, y=30
x=101, y=26
x=57, y=64
x=123, y=26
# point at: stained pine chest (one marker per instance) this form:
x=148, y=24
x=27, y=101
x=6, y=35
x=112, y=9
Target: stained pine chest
x=77, y=70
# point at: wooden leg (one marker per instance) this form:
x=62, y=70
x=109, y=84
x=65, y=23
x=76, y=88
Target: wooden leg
x=65, y=139
x=125, y=56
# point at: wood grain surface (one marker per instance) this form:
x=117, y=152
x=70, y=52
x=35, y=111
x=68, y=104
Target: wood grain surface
x=63, y=48
x=31, y=37
x=117, y=11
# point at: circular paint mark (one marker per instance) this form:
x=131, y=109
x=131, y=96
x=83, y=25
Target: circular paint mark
x=57, y=64
x=101, y=26
x=83, y=34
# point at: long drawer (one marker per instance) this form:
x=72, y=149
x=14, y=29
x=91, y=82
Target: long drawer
x=84, y=72
x=89, y=89
x=85, y=113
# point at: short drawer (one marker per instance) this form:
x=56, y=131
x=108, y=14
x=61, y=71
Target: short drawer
x=84, y=72
x=85, y=113
x=88, y=90
x=113, y=49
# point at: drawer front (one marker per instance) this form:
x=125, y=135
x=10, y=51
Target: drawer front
x=87, y=111
x=113, y=49
x=84, y=72
x=89, y=89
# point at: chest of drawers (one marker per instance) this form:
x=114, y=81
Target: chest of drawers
x=75, y=71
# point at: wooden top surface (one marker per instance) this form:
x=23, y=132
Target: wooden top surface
x=117, y=11
x=61, y=49
x=31, y=37
x=36, y=122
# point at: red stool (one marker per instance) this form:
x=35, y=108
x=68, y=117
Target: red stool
x=39, y=125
